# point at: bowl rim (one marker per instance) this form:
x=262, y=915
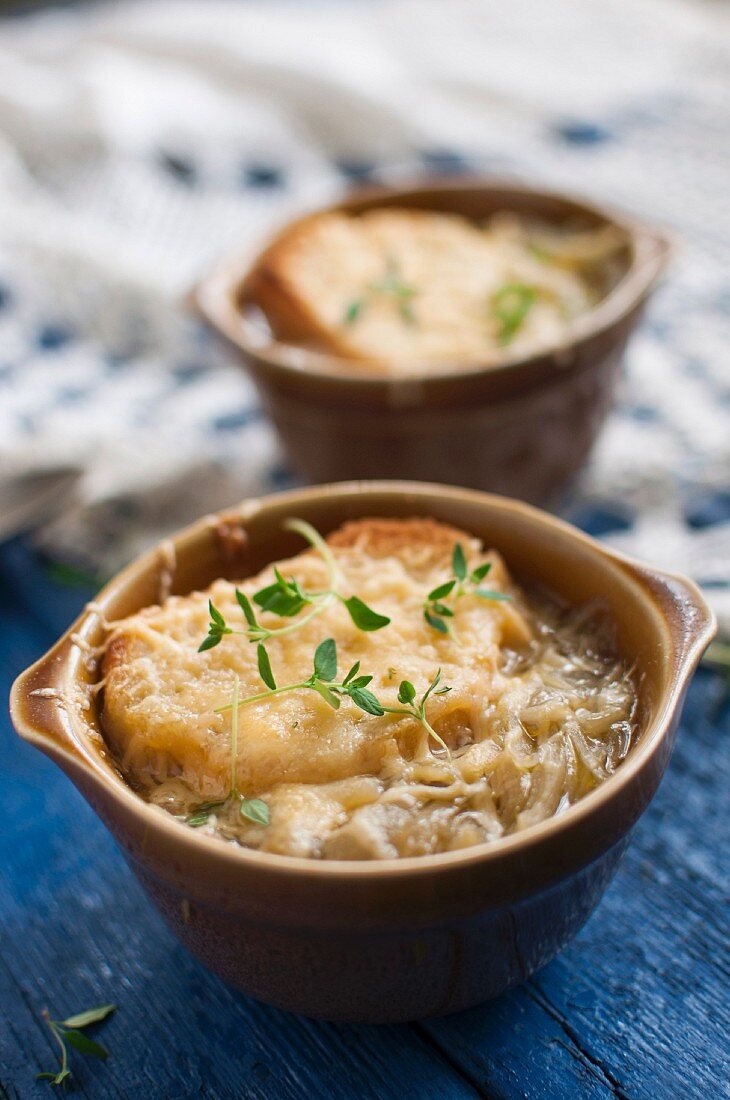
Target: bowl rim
x=216, y=296
x=688, y=640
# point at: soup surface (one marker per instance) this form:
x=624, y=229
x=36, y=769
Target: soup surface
x=414, y=291
x=474, y=711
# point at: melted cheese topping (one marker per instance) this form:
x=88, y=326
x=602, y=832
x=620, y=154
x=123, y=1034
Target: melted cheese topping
x=449, y=270
x=529, y=728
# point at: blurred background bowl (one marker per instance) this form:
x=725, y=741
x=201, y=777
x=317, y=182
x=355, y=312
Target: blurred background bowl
x=523, y=428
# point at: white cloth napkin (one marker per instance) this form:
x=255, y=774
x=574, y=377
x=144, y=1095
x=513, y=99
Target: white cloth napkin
x=138, y=141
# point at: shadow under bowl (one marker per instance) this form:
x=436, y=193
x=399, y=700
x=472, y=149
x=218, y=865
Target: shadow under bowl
x=523, y=428
x=381, y=940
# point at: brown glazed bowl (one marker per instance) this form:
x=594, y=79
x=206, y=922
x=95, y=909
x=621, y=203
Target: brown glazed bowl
x=523, y=428
x=382, y=940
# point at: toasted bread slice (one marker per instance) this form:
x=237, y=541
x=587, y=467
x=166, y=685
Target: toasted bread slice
x=414, y=288
x=400, y=285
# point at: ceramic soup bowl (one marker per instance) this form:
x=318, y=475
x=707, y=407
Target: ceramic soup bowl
x=383, y=940
x=524, y=427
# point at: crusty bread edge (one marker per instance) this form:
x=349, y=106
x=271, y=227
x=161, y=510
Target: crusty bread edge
x=383, y=535
x=288, y=315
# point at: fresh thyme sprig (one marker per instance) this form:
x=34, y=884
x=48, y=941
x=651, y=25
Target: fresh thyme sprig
x=390, y=285
x=417, y=708
x=510, y=307
x=436, y=612
x=323, y=680
x=255, y=809
x=286, y=598
x=69, y=1032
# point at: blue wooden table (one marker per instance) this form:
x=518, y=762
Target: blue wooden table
x=636, y=1007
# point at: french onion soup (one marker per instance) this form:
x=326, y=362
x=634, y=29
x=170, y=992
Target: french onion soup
x=403, y=292
x=390, y=691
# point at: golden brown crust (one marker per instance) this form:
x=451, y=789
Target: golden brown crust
x=287, y=317
x=270, y=286
x=116, y=652
x=383, y=538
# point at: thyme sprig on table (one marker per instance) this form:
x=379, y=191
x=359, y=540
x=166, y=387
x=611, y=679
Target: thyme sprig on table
x=287, y=598
x=437, y=612
x=69, y=1033
x=323, y=680
x=391, y=285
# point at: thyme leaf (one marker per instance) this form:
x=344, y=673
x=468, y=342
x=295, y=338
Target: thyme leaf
x=510, y=306
x=265, y=667
x=217, y=627
x=90, y=1016
x=323, y=681
x=198, y=818
x=458, y=562
x=256, y=810
x=437, y=612
x=245, y=604
x=81, y=1042
x=392, y=286
x=364, y=617
x=417, y=708
x=353, y=311
x=366, y=701
x=442, y=590
x=325, y=660
x=68, y=1033
x=406, y=692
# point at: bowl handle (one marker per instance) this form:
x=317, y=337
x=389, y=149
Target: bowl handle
x=42, y=703
x=692, y=622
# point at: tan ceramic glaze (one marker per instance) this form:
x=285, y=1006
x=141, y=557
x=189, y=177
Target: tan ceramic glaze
x=381, y=940
x=523, y=428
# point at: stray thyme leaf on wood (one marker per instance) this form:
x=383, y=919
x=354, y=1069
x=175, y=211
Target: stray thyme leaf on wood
x=68, y=1033
x=437, y=612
